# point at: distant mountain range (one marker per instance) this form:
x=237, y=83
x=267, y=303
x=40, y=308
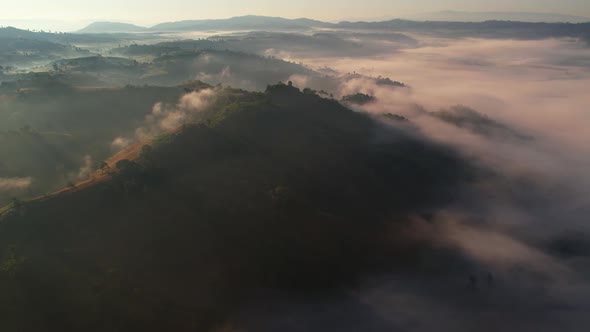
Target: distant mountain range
x=252, y=22
x=249, y=22
x=446, y=29
x=487, y=29
x=241, y=23
x=463, y=16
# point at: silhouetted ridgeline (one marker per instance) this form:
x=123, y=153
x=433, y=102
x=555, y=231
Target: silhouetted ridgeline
x=488, y=29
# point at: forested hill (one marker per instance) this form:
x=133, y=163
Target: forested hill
x=281, y=189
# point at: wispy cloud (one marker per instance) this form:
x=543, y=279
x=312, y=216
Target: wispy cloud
x=15, y=184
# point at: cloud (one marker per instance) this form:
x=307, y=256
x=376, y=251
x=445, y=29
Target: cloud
x=15, y=184
x=168, y=117
x=487, y=245
x=120, y=143
x=300, y=80
x=87, y=168
x=524, y=84
x=528, y=194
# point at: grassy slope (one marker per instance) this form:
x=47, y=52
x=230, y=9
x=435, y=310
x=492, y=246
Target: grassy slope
x=48, y=128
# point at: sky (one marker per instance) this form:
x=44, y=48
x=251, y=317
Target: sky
x=69, y=13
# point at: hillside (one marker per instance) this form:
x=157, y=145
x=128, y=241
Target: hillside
x=173, y=65
x=52, y=141
x=277, y=190
x=26, y=48
x=59, y=37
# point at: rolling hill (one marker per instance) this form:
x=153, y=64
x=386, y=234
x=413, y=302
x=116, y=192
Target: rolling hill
x=51, y=141
x=249, y=22
x=26, y=48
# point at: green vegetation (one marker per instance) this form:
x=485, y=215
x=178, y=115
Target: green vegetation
x=12, y=263
x=49, y=128
x=139, y=192
x=388, y=81
x=281, y=189
x=467, y=118
x=358, y=99
x=394, y=117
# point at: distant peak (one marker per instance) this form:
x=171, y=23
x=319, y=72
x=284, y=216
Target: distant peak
x=110, y=27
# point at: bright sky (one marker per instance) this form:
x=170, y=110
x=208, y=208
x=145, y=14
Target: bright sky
x=147, y=12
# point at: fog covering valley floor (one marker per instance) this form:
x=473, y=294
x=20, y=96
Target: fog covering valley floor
x=390, y=176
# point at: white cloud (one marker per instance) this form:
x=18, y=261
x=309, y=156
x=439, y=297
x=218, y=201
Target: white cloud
x=15, y=184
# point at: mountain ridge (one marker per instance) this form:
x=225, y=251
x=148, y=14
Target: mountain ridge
x=247, y=22
x=106, y=26
x=469, y=16
x=289, y=179
x=255, y=22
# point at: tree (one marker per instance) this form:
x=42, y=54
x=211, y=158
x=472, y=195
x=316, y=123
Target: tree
x=146, y=152
x=103, y=167
x=126, y=166
x=16, y=203
x=12, y=262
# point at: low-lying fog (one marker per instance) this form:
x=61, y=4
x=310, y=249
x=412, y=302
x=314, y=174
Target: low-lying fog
x=519, y=109
x=524, y=226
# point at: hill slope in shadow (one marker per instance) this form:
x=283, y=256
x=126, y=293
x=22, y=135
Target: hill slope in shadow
x=276, y=190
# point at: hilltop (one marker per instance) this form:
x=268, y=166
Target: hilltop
x=276, y=190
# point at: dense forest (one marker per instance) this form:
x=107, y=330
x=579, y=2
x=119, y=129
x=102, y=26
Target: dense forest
x=260, y=194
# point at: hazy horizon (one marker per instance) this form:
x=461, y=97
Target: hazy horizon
x=66, y=15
